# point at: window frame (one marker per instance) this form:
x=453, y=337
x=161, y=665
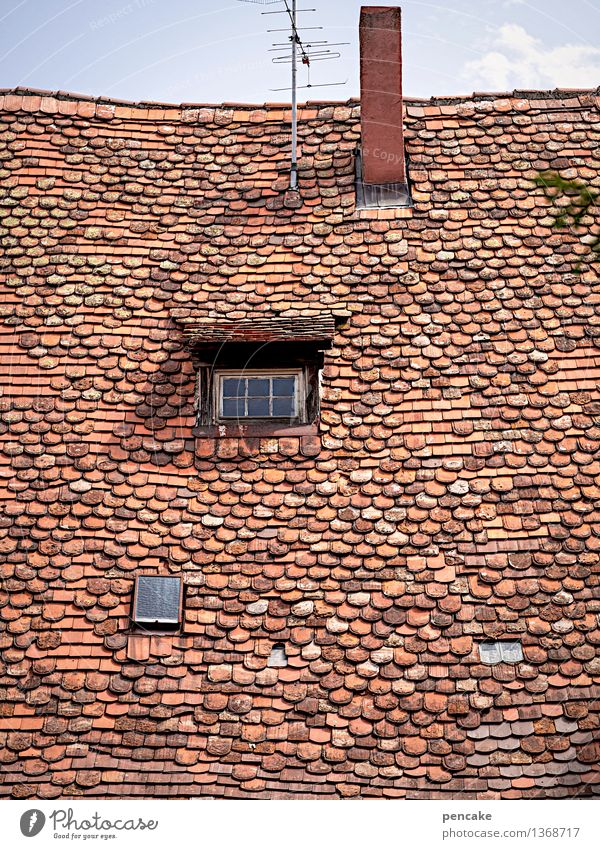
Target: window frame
x=221, y=374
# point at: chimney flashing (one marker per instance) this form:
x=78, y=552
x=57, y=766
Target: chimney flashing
x=380, y=195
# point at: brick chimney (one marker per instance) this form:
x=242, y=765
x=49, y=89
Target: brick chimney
x=382, y=148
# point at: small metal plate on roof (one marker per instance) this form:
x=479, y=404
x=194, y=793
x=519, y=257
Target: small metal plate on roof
x=380, y=195
x=157, y=600
x=490, y=653
x=278, y=657
x=511, y=651
x=507, y=651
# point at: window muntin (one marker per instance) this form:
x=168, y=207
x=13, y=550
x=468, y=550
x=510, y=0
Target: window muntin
x=264, y=394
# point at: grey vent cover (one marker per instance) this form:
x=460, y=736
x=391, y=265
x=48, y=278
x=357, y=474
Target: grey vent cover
x=278, y=656
x=157, y=600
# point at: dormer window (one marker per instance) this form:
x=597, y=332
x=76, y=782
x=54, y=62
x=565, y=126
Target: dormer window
x=258, y=376
x=241, y=390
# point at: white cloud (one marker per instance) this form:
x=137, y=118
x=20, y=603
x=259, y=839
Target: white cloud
x=519, y=60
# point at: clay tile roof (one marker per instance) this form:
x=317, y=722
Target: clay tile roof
x=339, y=576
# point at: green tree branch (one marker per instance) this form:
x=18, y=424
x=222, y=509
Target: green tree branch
x=572, y=201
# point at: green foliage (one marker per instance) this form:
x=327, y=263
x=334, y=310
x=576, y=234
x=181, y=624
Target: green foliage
x=572, y=201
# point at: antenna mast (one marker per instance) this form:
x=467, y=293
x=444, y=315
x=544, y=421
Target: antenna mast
x=294, y=37
x=318, y=51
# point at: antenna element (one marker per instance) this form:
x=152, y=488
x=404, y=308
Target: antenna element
x=316, y=51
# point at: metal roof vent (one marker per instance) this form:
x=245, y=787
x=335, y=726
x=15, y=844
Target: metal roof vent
x=157, y=601
x=278, y=657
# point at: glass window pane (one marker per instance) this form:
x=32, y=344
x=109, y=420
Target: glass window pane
x=233, y=407
x=258, y=387
x=233, y=387
x=258, y=407
x=283, y=407
x=284, y=385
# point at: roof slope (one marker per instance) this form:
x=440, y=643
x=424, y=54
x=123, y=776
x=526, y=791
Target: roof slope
x=449, y=495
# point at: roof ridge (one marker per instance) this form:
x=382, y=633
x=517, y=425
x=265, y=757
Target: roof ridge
x=59, y=95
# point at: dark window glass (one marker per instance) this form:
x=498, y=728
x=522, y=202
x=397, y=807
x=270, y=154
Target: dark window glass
x=233, y=387
x=233, y=407
x=283, y=407
x=258, y=387
x=258, y=407
x=258, y=397
x=284, y=385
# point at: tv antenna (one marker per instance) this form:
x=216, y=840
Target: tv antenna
x=288, y=53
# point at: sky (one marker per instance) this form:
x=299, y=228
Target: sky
x=214, y=51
